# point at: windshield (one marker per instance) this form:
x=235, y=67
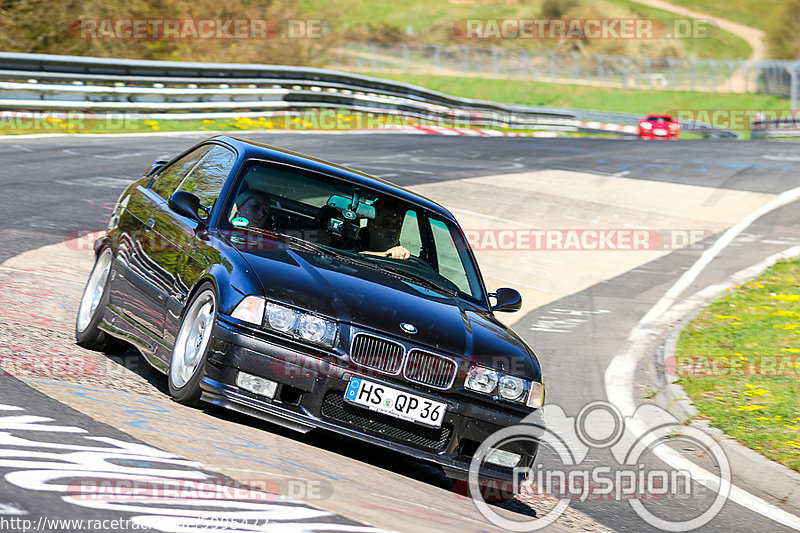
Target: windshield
x=356, y=223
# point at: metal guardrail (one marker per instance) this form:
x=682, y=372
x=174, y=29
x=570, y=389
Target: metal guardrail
x=101, y=85
x=766, y=128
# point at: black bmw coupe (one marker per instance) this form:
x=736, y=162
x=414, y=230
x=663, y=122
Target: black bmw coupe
x=312, y=296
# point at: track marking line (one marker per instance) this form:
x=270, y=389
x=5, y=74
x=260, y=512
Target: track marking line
x=619, y=375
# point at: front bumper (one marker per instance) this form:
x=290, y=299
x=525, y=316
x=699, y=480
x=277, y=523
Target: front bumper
x=310, y=395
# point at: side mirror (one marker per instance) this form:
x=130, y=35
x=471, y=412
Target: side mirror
x=186, y=204
x=508, y=300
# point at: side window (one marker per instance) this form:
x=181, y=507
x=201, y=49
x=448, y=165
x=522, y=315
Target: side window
x=450, y=265
x=207, y=178
x=409, y=234
x=167, y=182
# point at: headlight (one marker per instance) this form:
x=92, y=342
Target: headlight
x=251, y=310
x=308, y=327
x=488, y=381
x=481, y=379
x=511, y=388
x=281, y=318
x=317, y=330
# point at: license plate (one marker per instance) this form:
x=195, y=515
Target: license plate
x=661, y=133
x=396, y=403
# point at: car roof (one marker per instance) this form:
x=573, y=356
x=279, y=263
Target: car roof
x=253, y=149
x=658, y=115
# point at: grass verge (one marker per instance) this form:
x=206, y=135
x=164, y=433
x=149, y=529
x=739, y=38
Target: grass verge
x=739, y=362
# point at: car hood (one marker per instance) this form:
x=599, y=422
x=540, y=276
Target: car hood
x=364, y=297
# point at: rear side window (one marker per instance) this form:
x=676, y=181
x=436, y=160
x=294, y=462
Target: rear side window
x=167, y=181
x=206, y=179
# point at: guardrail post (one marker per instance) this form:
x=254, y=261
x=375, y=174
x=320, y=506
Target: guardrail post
x=793, y=88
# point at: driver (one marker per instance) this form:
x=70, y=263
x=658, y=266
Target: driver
x=381, y=235
x=251, y=205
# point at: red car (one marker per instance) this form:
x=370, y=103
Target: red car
x=659, y=126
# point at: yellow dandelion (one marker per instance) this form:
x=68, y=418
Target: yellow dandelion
x=786, y=326
x=750, y=407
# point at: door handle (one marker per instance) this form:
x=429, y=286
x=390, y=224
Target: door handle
x=149, y=224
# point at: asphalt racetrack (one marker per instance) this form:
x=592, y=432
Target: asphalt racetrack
x=113, y=418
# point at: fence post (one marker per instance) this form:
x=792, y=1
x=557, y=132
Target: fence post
x=601, y=70
x=712, y=71
x=625, y=71
x=526, y=64
x=552, y=55
x=575, y=65
x=671, y=72
x=793, y=88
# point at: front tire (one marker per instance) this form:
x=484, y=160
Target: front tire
x=93, y=304
x=189, y=354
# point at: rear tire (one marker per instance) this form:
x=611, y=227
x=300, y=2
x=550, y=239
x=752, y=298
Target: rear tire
x=188, y=362
x=93, y=304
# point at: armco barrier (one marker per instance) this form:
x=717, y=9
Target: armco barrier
x=102, y=85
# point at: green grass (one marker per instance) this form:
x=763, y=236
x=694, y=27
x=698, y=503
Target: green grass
x=722, y=45
x=747, y=12
x=586, y=97
x=739, y=362
x=431, y=22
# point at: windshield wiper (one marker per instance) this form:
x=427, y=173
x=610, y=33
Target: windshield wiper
x=418, y=280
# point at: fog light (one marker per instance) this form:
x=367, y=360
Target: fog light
x=503, y=458
x=256, y=385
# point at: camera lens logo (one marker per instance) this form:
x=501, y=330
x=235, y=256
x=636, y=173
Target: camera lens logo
x=600, y=455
